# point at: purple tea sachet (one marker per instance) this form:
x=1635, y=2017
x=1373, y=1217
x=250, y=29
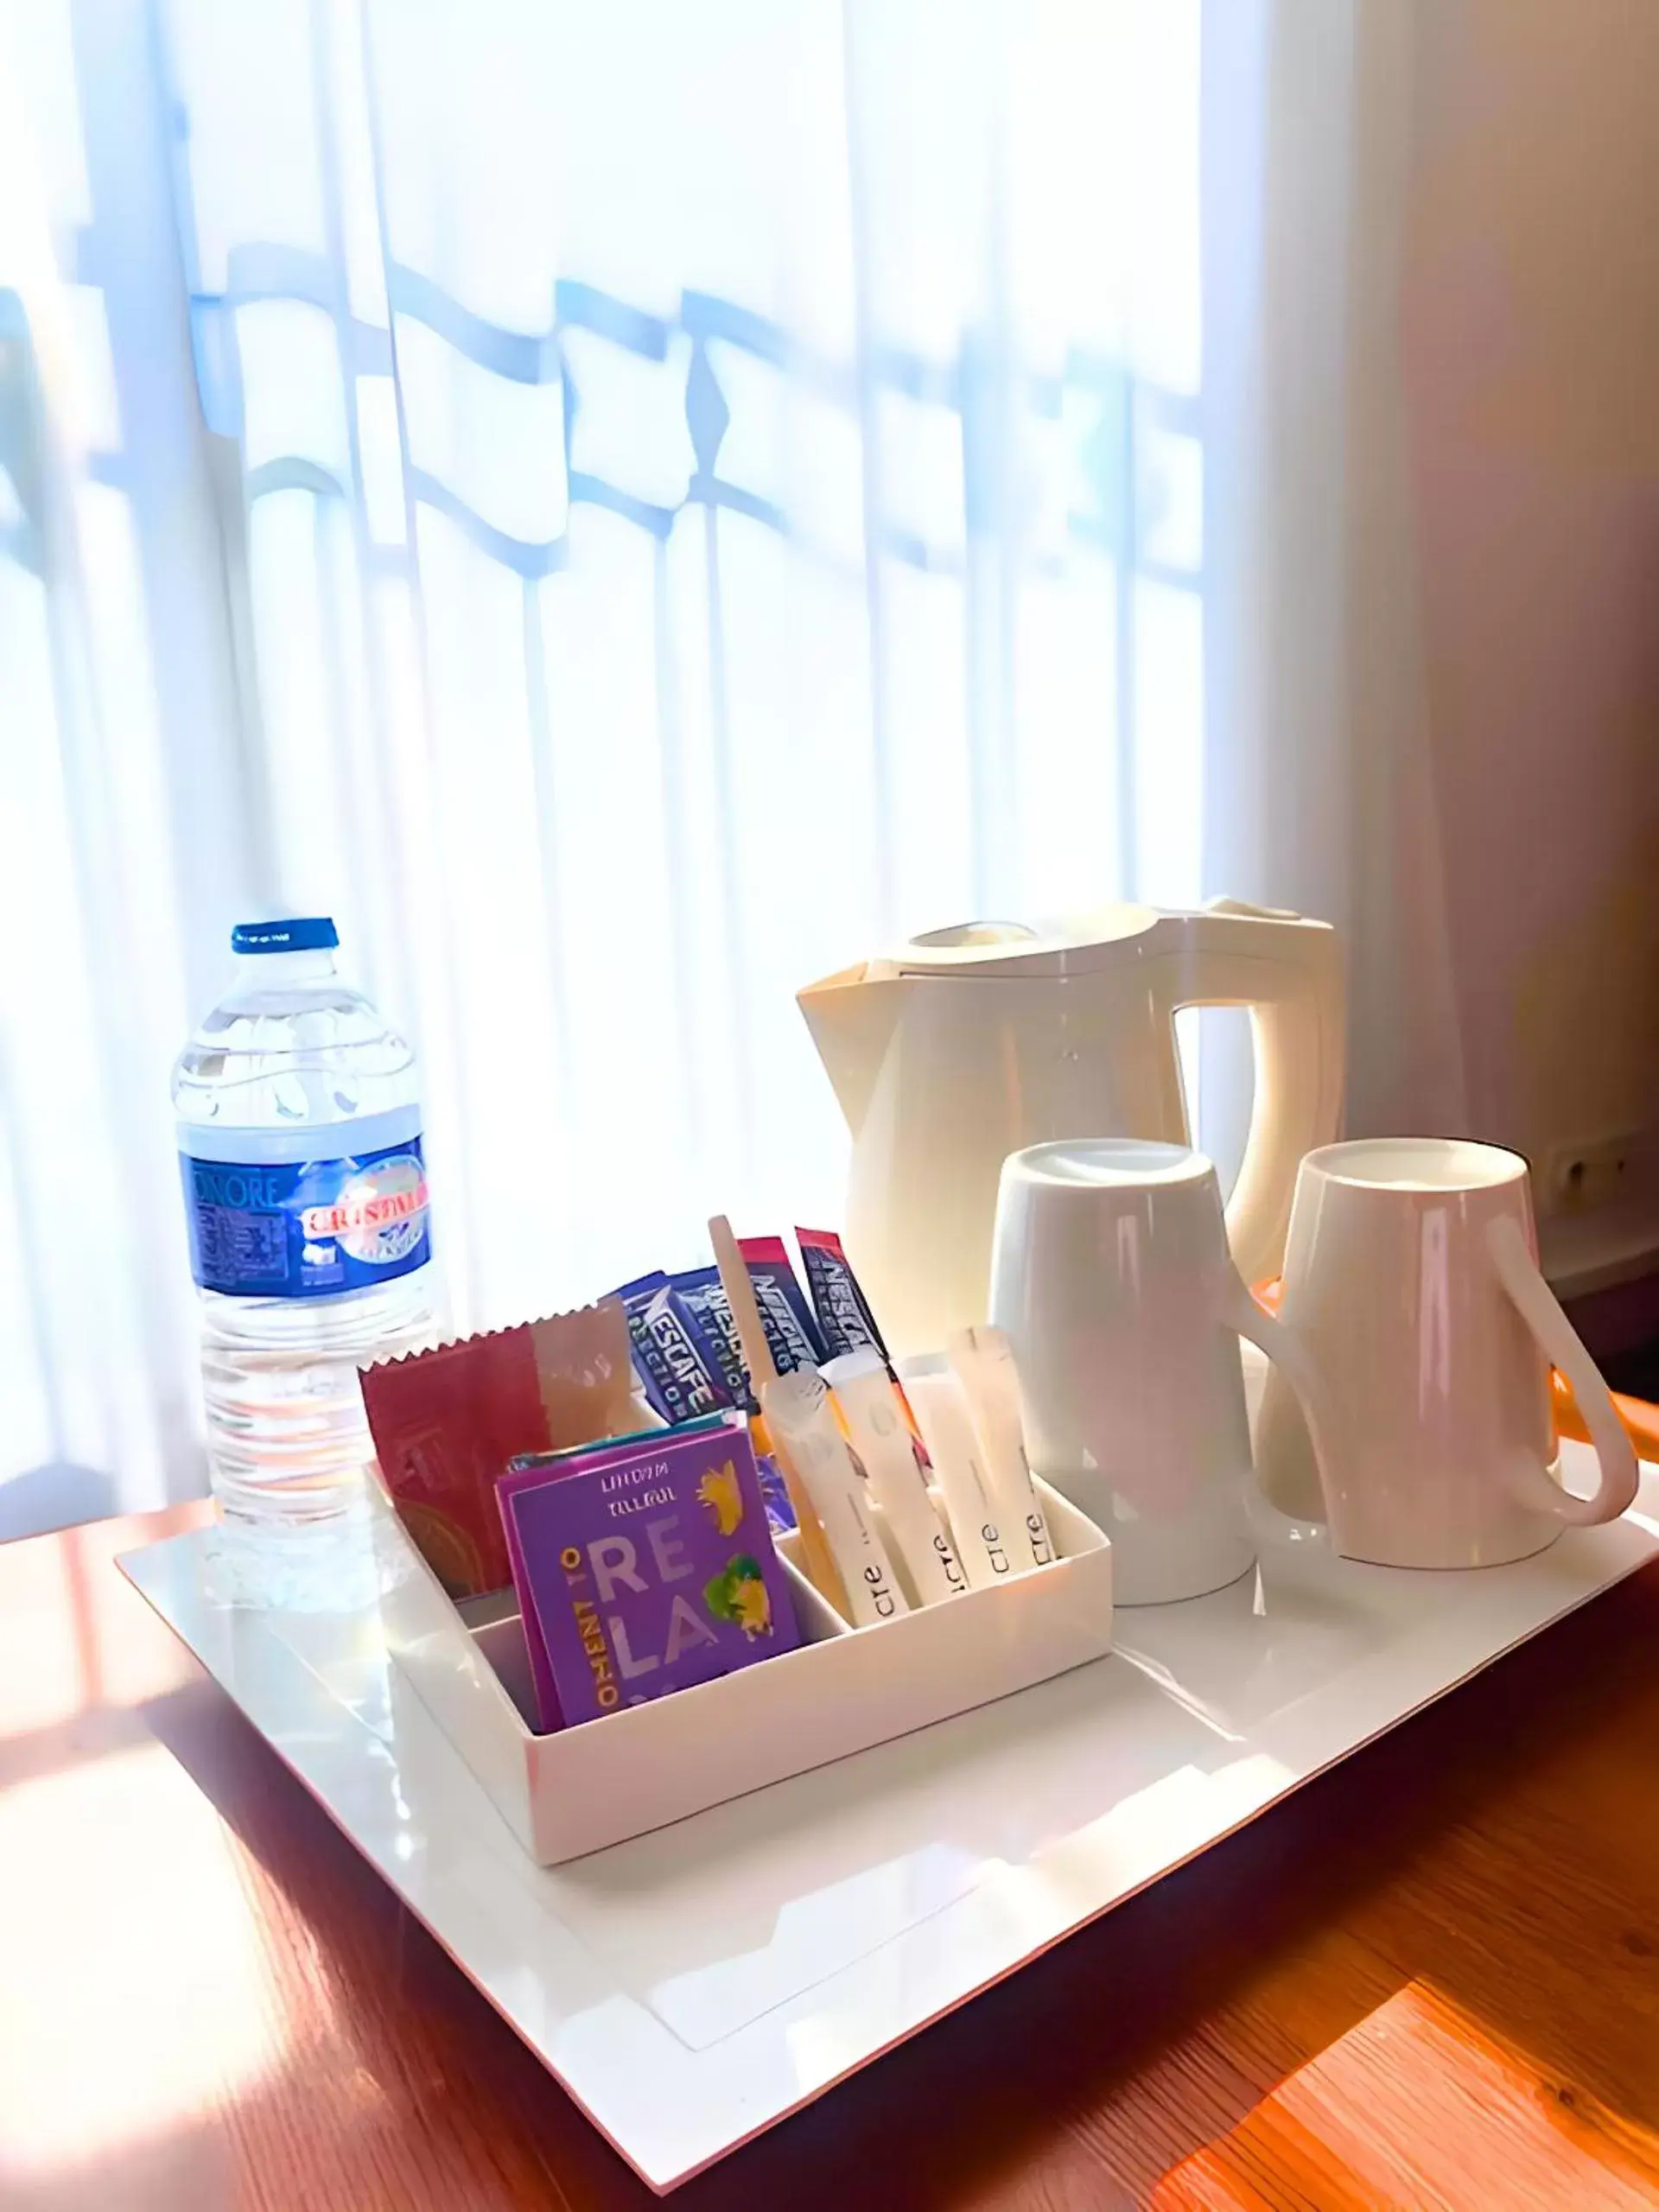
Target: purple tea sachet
x=525, y=1471
x=780, y=1509
x=644, y=1567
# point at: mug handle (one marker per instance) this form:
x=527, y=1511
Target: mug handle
x=1535, y=1302
x=1640, y=1419
x=1288, y=1351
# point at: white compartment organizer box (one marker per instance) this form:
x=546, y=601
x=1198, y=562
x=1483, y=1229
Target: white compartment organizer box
x=842, y=1690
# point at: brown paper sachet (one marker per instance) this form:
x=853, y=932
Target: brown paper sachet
x=446, y=1422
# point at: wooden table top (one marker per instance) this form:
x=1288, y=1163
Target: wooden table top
x=1430, y=1979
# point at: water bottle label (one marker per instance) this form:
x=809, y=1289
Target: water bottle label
x=307, y=1229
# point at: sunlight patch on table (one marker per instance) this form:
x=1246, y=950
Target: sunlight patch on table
x=181, y=2014
x=1419, y=2104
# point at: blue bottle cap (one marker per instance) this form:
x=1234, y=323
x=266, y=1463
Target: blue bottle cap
x=310, y=933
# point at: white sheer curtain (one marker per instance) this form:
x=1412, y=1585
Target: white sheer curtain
x=628, y=507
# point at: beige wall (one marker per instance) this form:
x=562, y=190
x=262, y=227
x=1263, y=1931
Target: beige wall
x=1531, y=336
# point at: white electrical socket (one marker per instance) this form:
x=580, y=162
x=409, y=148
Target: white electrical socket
x=1590, y=1173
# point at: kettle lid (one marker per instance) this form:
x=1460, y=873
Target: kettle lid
x=1002, y=948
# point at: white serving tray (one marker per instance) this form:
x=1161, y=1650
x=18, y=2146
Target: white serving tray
x=840, y=1691
x=692, y=1986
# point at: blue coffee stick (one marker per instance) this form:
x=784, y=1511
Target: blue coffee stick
x=680, y=1374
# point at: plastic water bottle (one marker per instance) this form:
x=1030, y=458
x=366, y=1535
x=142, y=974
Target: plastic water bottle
x=299, y=1134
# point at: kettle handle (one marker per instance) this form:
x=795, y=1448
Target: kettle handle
x=1288, y=972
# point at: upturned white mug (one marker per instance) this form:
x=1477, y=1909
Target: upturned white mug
x=1110, y=1272
x=1411, y=1276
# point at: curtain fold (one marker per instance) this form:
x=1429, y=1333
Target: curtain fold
x=630, y=509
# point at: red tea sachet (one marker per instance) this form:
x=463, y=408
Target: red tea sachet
x=446, y=1422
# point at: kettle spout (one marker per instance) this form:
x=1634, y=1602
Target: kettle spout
x=852, y=1016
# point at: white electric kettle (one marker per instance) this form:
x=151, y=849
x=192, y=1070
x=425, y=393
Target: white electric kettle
x=970, y=1043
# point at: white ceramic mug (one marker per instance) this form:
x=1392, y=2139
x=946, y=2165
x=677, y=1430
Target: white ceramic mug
x=1110, y=1272
x=1411, y=1276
